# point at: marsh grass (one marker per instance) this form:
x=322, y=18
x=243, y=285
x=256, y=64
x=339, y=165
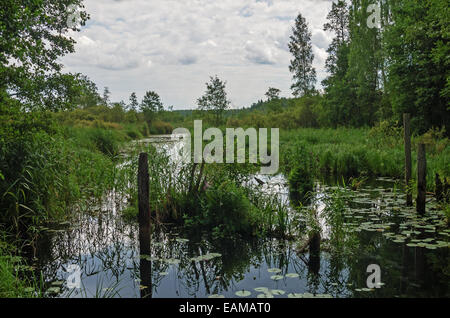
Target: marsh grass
x=376, y=152
x=16, y=278
x=211, y=197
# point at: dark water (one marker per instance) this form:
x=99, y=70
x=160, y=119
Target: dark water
x=106, y=249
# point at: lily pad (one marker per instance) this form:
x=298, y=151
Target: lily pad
x=216, y=296
x=277, y=292
x=262, y=289
x=265, y=295
x=276, y=277
x=292, y=275
x=274, y=270
x=53, y=290
x=243, y=293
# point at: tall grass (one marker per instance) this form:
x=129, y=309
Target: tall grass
x=13, y=280
x=351, y=152
x=211, y=197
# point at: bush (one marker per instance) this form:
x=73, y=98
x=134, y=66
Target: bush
x=160, y=128
x=45, y=170
x=227, y=206
x=106, y=141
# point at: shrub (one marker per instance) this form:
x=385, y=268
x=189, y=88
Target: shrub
x=160, y=128
x=227, y=206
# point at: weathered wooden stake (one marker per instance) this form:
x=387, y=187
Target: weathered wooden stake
x=144, y=205
x=407, y=139
x=421, y=179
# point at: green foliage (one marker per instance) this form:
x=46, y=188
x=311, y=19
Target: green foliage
x=133, y=102
x=46, y=169
x=298, y=165
x=151, y=104
x=416, y=44
x=273, y=93
x=13, y=281
x=341, y=241
x=215, y=99
x=34, y=34
x=304, y=74
x=363, y=152
x=227, y=206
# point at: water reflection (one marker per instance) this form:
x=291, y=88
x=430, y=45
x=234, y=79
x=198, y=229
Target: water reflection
x=106, y=248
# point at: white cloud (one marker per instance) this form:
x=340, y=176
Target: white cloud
x=173, y=46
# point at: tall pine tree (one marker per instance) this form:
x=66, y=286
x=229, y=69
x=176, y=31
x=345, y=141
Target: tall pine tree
x=304, y=74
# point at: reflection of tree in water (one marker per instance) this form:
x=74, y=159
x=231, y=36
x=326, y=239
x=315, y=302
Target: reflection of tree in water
x=405, y=271
x=106, y=246
x=99, y=242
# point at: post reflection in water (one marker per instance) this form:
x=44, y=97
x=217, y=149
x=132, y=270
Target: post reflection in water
x=145, y=268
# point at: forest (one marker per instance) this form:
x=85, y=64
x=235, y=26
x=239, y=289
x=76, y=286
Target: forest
x=339, y=202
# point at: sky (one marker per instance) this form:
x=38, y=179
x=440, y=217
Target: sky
x=174, y=46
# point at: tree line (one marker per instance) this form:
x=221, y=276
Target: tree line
x=387, y=58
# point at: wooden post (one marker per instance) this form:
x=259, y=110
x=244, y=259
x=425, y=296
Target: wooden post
x=421, y=179
x=407, y=140
x=144, y=205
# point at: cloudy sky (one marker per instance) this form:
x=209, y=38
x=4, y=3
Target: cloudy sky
x=173, y=46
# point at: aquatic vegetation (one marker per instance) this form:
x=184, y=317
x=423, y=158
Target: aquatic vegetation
x=292, y=275
x=298, y=165
x=274, y=270
x=15, y=280
x=243, y=293
x=276, y=277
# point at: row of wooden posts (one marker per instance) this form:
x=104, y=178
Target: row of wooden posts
x=421, y=168
x=143, y=185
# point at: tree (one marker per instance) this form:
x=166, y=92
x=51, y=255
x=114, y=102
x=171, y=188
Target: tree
x=365, y=64
x=273, y=93
x=150, y=105
x=418, y=69
x=133, y=102
x=301, y=65
x=338, y=22
x=106, y=96
x=339, y=97
x=33, y=36
x=214, y=99
x=88, y=93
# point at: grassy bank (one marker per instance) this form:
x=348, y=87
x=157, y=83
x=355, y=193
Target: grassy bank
x=47, y=165
x=350, y=152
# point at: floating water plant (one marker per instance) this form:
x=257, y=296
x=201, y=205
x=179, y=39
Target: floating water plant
x=243, y=293
x=274, y=270
x=277, y=292
x=276, y=277
x=292, y=275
